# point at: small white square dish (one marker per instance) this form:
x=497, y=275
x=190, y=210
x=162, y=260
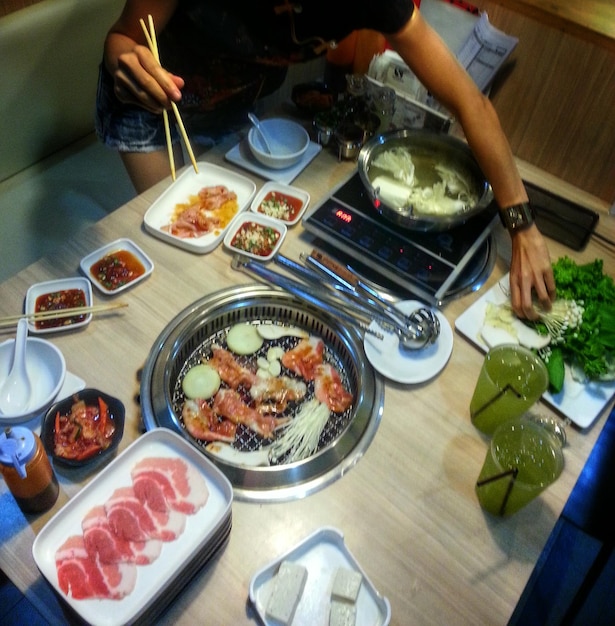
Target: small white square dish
x=173, y=217
x=281, y=202
x=55, y=295
x=322, y=554
x=117, y=266
x=255, y=235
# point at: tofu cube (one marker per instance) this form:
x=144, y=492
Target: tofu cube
x=342, y=614
x=346, y=585
x=288, y=585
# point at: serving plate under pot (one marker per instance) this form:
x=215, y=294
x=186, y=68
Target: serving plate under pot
x=188, y=335
x=439, y=147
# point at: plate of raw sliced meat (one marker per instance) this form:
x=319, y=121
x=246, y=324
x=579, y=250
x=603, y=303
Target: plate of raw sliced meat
x=119, y=550
x=195, y=211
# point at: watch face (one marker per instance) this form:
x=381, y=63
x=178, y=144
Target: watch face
x=518, y=216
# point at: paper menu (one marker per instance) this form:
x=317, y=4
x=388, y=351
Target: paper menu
x=484, y=51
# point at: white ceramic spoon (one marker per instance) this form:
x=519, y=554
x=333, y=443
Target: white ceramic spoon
x=257, y=124
x=16, y=390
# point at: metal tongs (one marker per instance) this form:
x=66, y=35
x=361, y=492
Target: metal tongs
x=414, y=332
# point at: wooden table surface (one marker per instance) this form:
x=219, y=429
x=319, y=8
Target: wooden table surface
x=408, y=509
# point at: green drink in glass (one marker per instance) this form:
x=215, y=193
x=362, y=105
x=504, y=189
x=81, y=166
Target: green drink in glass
x=511, y=380
x=523, y=459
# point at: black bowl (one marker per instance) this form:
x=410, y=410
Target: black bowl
x=90, y=396
x=312, y=97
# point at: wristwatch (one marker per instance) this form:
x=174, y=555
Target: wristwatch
x=517, y=217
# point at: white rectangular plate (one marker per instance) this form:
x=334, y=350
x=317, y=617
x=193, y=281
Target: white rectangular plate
x=580, y=403
x=321, y=554
x=240, y=155
x=189, y=184
x=156, y=578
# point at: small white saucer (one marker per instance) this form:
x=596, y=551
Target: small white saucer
x=404, y=366
x=240, y=155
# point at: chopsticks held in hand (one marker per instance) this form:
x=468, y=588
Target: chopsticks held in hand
x=12, y=320
x=150, y=36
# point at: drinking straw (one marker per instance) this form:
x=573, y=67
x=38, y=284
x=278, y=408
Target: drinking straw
x=511, y=484
x=497, y=396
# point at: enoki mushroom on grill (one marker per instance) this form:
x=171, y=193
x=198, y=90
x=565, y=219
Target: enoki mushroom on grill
x=300, y=437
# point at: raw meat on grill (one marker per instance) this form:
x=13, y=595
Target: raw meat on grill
x=329, y=390
x=305, y=357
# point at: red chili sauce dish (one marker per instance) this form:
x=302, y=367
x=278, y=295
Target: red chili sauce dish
x=280, y=206
x=57, y=301
x=256, y=239
x=116, y=269
x=86, y=425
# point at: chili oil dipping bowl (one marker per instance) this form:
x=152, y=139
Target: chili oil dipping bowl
x=288, y=140
x=116, y=413
x=57, y=287
x=46, y=367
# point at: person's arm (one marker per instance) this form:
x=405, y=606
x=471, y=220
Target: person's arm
x=138, y=77
x=434, y=65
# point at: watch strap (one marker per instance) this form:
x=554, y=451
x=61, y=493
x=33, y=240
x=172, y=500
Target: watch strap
x=518, y=216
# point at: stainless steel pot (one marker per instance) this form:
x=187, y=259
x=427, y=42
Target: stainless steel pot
x=444, y=149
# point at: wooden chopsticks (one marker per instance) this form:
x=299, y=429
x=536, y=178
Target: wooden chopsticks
x=150, y=36
x=12, y=320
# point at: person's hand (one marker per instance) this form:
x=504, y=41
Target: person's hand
x=531, y=273
x=139, y=79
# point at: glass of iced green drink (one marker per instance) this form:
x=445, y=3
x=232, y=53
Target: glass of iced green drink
x=511, y=380
x=523, y=459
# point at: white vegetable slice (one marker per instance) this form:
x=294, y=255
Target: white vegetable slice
x=244, y=339
x=201, y=381
x=226, y=452
x=274, y=331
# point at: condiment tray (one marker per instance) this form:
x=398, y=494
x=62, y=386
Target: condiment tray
x=240, y=155
x=321, y=554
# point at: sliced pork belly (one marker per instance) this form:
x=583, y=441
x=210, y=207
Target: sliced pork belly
x=170, y=480
x=103, y=543
x=305, y=357
x=81, y=576
x=230, y=370
x=329, y=390
x=131, y=520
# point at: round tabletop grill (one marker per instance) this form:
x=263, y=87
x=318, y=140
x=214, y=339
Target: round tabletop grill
x=189, y=339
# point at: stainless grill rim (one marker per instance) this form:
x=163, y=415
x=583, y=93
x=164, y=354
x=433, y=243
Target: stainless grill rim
x=274, y=483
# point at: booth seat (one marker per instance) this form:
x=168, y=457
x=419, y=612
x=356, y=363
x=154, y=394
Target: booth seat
x=55, y=177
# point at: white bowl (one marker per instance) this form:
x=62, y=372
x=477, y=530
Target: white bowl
x=296, y=198
x=52, y=286
x=259, y=220
x=120, y=245
x=46, y=368
x=288, y=140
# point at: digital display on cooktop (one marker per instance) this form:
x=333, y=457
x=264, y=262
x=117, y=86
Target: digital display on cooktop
x=421, y=262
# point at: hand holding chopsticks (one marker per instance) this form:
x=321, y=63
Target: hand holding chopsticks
x=12, y=320
x=150, y=36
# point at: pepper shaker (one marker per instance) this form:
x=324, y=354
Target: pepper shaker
x=27, y=471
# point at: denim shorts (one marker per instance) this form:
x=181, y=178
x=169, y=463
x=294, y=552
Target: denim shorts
x=130, y=128
x=127, y=128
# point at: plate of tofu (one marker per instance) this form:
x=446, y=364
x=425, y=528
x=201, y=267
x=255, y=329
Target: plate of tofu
x=318, y=581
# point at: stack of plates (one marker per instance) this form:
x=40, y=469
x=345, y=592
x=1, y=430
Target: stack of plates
x=158, y=583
